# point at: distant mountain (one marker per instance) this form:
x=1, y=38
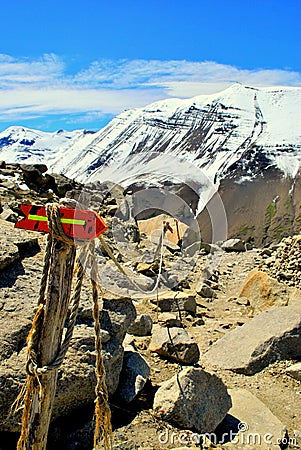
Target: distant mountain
x=241, y=140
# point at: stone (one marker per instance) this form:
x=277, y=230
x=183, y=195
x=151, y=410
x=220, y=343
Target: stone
x=142, y=325
x=233, y=245
x=134, y=374
x=193, y=399
x=173, y=248
x=264, y=291
x=146, y=269
x=9, y=253
x=284, y=264
x=206, y=291
x=270, y=336
x=76, y=381
x=9, y=215
x=153, y=228
x=175, y=302
x=252, y=423
x=116, y=317
x=294, y=371
x=175, y=344
x=112, y=210
x=117, y=284
x=13, y=241
x=243, y=301
x=34, y=177
x=169, y=320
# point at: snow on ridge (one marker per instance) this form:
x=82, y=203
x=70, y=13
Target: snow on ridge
x=242, y=116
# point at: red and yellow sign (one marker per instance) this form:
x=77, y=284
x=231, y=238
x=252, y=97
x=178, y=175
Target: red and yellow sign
x=76, y=223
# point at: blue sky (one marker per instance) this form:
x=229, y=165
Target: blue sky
x=76, y=64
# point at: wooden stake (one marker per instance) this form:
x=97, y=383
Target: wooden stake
x=41, y=390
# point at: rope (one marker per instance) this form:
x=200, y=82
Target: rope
x=121, y=269
x=103, y=427
x=56, y=230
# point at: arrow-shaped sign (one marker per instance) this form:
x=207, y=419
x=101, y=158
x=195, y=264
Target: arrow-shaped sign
x=76, y=223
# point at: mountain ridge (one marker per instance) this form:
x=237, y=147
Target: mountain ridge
x=222, y=141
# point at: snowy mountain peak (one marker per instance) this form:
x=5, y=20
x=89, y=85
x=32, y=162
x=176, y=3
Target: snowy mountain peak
x=236, y=132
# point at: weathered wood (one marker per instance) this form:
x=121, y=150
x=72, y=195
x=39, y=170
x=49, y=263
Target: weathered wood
x=41, y=392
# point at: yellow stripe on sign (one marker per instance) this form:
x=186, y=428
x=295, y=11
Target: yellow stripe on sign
x=63, y=220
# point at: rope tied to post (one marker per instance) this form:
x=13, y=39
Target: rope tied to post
x=35, y=370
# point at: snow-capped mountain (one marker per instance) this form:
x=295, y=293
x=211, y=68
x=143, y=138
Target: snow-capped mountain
x=212, y=132
x=240, y=135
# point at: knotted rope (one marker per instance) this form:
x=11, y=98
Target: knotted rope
x=103, y=430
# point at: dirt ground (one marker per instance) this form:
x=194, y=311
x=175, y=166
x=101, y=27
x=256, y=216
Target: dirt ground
x=279, y=392
x=135, y=425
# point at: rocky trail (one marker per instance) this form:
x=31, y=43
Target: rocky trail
x=213, y=362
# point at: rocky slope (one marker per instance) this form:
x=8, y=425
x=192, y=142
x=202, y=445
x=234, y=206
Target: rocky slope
x=236, y=327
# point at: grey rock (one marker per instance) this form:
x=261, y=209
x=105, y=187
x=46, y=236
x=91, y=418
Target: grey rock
x=9, y=253
x=9, y=215
x=233, y=245
x=119, y=285
x=294, y=371
x=206, y=291
x=174, y=343
x=270, y=336
x=193, y=399
x=142, y=325
x=14, y=240
x=117, y=316
x=259, y=427
x=135, y=372
x=169, y=320
x=175, y=302
x=76, y=383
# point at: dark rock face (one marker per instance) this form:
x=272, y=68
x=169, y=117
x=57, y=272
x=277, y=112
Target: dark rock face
x=260, y=210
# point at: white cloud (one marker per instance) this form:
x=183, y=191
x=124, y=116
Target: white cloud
x=33, y=88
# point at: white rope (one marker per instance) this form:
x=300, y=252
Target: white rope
x=121, y=269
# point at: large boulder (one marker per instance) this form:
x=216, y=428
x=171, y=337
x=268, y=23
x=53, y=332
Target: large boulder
x=193, y=399
x=270, y=336
x=34, y=178
x=175, y=302
x=174, y=343
x=153, y=228
x=76, y=382
x=263, y=291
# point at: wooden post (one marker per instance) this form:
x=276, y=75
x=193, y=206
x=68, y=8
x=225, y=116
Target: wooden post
x=41, y=390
